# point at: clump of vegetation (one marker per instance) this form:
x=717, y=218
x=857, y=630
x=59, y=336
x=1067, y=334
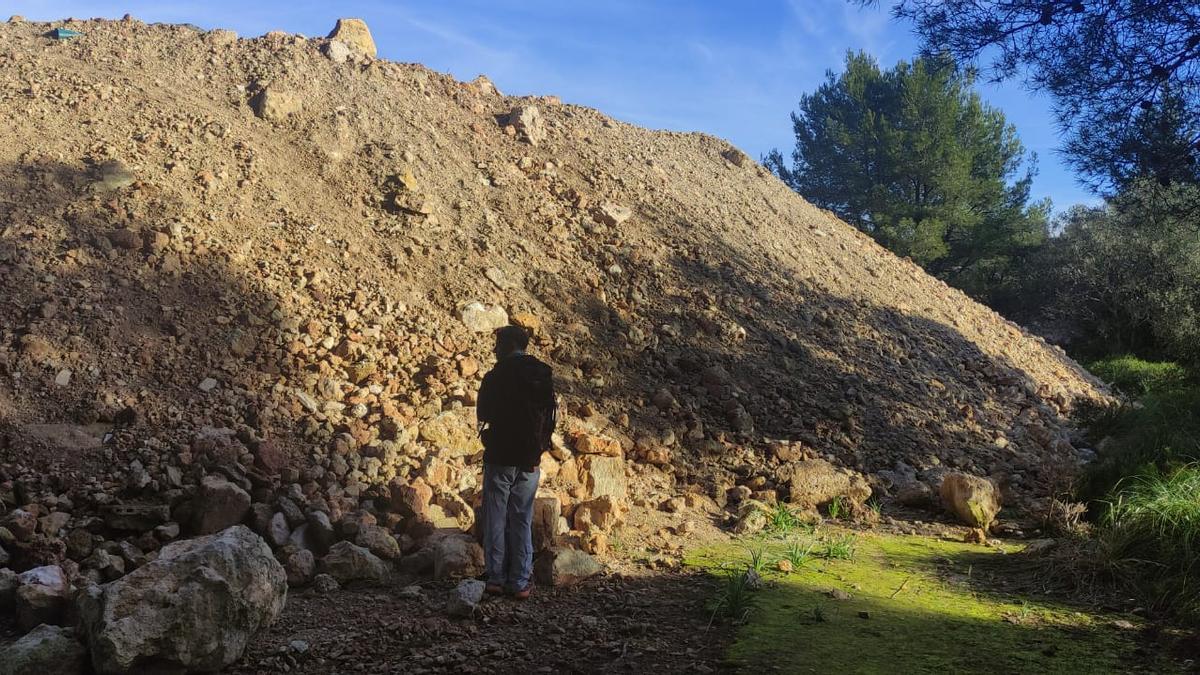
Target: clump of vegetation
x=1137, y=377
x=781, y=519
x=735, y=599
x=836, y=508
x=1150, y=536
x=758, y=558
x=798, y=554
x=839, y=547
x=1156, y=435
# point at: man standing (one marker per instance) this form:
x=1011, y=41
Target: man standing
x=517, y=413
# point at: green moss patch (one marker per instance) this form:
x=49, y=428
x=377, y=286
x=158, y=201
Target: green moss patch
x=909, y=605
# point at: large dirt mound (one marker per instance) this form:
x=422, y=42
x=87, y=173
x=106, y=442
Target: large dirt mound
x=281, y=237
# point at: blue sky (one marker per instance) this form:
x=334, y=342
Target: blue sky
x=734, y=69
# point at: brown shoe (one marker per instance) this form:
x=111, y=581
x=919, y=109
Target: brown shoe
x=493, y=589
x=524, y=593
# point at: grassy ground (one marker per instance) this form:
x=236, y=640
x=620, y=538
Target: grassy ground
x=909, y=605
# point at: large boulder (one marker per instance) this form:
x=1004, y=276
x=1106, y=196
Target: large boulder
x=975, y=500
x=346, y=562
x=46, y=650
x=564, y=566
x=194, y=608
x=355, y=34
x=816, y=482
x=42, y=596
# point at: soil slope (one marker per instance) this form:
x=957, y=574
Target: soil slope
x=265, y=235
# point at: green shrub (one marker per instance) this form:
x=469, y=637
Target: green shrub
x=1155, y=435
x=1137, y=377
x=1150, y=536
x=735, y=599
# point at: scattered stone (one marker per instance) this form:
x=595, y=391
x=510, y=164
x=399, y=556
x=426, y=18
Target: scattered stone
x=346, y=562
x=274, y=105
x=913, y=493
x=452, y=432
x=547, y=516
x=325, y=584
x=411, y=593
x=456, y=556
x=222, y=589
x=299, y=567
x=21, y=523
x=603, y=477
x=219, y=504
x=482, y=319
x=816, y=482
x=565, y=566
x=135, y=517
x=114, y=175
x=527, y=121
x=611, y=214
x=595, y=444
x=379, y=541
x=464, y=598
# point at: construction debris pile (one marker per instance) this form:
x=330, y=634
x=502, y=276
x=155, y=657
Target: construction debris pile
x=251, y=282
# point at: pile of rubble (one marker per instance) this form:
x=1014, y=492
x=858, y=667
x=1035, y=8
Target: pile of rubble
x=252, y=282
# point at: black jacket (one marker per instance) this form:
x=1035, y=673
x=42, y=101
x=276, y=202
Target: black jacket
x=517, y=411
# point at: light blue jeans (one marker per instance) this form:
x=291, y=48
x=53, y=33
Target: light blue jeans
x=508, y=493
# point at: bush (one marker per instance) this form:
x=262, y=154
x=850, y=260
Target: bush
x=1126, y=276
x=1153, y=436
x=1151, y=538
x=1137, y=377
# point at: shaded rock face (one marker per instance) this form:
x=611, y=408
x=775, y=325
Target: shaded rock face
x=46, y=650
x=195, y=608
x=974, y=500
